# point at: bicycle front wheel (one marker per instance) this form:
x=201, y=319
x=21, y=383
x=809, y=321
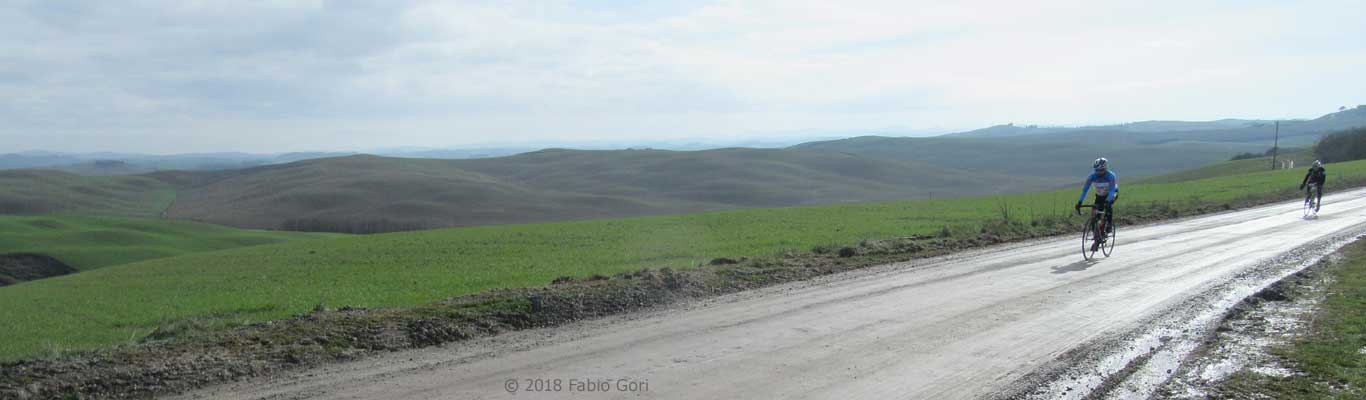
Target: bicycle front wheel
x=1087, y=238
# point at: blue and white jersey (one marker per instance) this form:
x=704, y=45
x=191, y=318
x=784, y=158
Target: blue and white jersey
x=1106, y=185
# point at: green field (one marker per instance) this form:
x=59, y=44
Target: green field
x=1302, y=158
x=122, y=303
x=86, y=243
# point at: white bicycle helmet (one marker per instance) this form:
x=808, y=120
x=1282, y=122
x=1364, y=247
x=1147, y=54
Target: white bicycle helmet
x=1318, y=163
x=1101, y=163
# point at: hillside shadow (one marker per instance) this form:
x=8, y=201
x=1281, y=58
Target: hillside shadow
x=22, y=267
x=1074, y=267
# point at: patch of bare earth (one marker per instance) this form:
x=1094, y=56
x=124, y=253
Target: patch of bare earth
x=23, y=267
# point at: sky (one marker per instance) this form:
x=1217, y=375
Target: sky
x=180, y=76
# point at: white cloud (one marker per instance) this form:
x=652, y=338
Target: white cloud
x=294, y=75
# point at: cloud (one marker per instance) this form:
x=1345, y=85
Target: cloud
x=167, y=76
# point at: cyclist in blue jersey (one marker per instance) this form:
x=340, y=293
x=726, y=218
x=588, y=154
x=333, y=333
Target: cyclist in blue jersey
x=1107, y=191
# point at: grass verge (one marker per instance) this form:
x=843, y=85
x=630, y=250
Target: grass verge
x=1330, y=360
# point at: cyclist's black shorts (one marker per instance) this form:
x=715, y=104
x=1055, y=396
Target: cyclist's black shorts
x=1102, y=204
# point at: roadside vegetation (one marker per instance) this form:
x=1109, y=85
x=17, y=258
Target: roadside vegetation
x=119, y=304
x=1343, y=145
x=1329, y=361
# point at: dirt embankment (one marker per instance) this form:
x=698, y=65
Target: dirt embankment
x=23, y=267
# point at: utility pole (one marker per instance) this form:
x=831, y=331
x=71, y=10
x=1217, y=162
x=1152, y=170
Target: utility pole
x=1276, y=145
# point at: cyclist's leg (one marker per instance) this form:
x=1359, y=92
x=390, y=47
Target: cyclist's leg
x=1319, y=202
x=1102, y=225
x=1110, y=215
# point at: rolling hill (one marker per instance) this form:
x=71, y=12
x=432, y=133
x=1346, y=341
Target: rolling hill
x=86, y=243
x=1044, y=156
x=369, y=193
x=1297, y=132
x=31, y=192
x=36, y=247
x=1139, y=149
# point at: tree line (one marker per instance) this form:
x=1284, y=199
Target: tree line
x=1346, y=145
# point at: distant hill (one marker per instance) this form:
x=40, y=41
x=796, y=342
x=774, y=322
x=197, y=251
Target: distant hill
x=111, y=164
x=35, y=160
x=1012, y=130
x=364, y=193
x=369, y=193
x=1138, y=149
x=1042, y=157
x=1293, y=132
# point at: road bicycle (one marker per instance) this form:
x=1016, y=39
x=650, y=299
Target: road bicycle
x=1311, y=203
x=1096, y=228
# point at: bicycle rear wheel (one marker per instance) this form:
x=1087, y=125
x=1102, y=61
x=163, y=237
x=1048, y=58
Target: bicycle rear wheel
x=1109, y=245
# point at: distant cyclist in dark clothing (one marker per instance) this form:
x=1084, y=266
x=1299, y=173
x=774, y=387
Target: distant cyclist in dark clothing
x=1314, y=181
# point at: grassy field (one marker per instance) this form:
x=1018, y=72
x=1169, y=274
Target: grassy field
x=1303, y=158
x=87, y=243
x=122, y=303
x=1332, y=357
